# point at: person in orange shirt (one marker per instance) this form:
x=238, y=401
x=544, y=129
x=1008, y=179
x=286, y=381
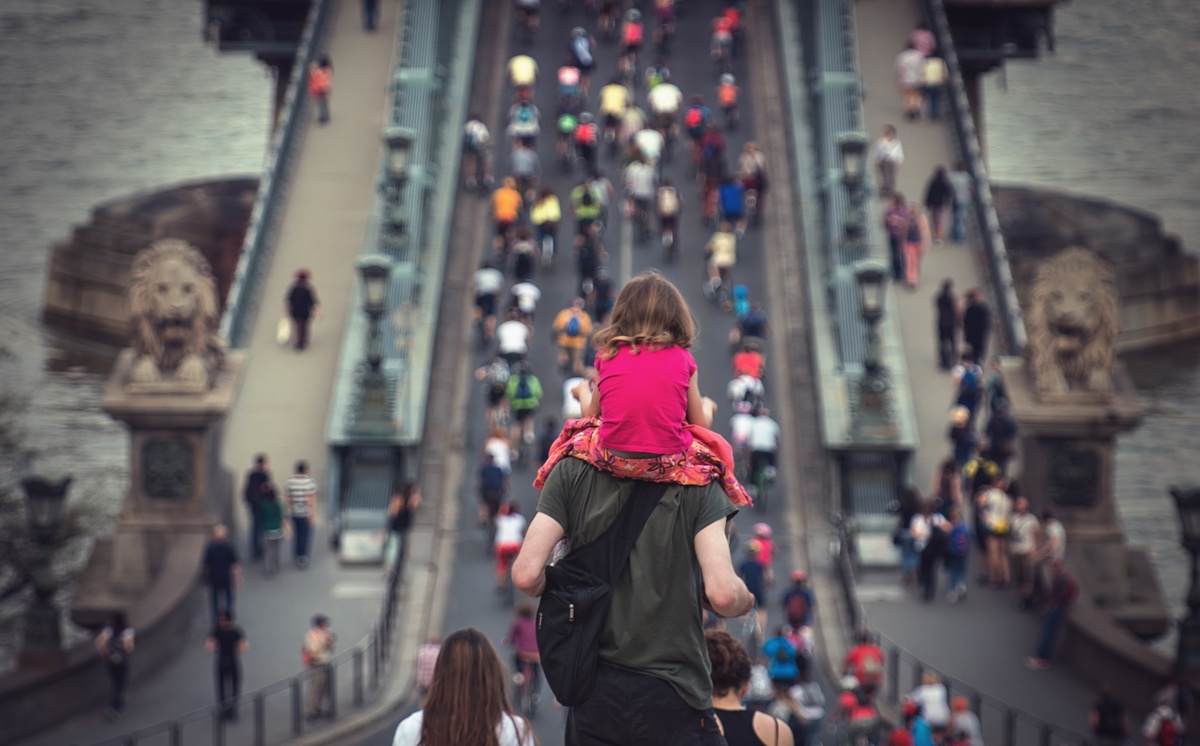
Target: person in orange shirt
x=506, y=208
x=320, y=81
x=572, y=327
x=727, y=97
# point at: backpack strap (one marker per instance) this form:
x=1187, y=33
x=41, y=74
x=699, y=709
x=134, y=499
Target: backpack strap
x=624, y=531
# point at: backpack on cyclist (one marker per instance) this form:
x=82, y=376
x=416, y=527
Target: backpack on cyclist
x=573, y=328
x=497, y=376
x=668, y=201
x=585, y=134
x=581, y=51
x=693, y=118
x=567, y=123
x=525, y=115
x=632, y=33
x=524, y=391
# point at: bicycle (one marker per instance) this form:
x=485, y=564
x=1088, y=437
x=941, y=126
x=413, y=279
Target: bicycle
x=527, y=687
x=762, y=480
x=640, y=212
x=548, y=239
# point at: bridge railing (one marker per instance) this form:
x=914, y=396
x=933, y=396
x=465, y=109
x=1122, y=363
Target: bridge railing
x=277, y=713
x=257, y=246
x=1008, y=308
x=1001, y=724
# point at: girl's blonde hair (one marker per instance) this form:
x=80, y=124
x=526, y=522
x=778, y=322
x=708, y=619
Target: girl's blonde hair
x=649, y=313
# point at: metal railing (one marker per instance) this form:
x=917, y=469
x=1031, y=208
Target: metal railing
x=277, y=712
x=257, y=246
x=1008, y=308
x=1001, y=724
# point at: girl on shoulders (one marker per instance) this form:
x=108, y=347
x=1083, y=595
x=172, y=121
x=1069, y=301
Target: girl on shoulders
x=644, y=416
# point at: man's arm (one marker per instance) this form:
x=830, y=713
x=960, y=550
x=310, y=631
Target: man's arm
x=529, y=569
x=725, y=592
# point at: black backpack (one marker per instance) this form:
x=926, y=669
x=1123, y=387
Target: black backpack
x=575, y=602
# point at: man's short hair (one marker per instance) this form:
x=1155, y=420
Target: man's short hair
x=301, y=467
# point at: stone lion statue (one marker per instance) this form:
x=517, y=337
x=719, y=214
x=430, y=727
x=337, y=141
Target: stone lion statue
x=1071, y=321
x=174, y=314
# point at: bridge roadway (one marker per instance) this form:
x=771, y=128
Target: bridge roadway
x=282, y=409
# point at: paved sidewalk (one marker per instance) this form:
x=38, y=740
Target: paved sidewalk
x=983, y=641
x=281, y=411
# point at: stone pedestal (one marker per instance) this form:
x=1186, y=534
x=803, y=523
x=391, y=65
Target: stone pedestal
x=175, y=443
x=1067, y=465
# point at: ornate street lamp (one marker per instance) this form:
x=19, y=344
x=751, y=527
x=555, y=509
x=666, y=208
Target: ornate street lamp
x=871, y=275
x=375, y=272
x=852, y=147
x=399, y=141
x=1187, y=656
x=45, y=504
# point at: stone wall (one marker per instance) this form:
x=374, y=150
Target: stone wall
x=1158, y=282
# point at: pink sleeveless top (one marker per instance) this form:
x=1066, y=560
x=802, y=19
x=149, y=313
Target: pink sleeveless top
x=643, y=399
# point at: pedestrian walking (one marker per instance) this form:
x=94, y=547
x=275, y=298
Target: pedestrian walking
x=910, y=79
x=320, y=84
x=964, y=189
x=401, y=508
x=301, y=492
x=1108, y=720
x=958, y=546
x=115, y=644
x=222, y=570
x=1022, y=545
x=994, y=506
x=227, y=642
x=934, y=76
x=1001, y=433
x=370, y=14
x=316, y=653
x=895, y=222
x=252, y=495
x=426, y=662
x=301, y=306
x=977, y=322
x=949, y=322
x=889, y=156
x=939, y=193
x=1063, y=593
x=270, y=516
x=916, y=243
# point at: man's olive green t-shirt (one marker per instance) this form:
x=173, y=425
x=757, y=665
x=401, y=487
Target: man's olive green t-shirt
x=655, y=623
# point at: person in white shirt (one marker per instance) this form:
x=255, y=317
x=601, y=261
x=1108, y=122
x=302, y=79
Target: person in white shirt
x=889, y=156
x=487, y=283
x=934, y=700
x=512, y=337
x=467, y=702
x=764, y=442
x=525, y=297
x=665, y=100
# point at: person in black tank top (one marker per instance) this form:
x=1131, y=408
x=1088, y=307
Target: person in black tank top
x=731, y=681
x=949, y=320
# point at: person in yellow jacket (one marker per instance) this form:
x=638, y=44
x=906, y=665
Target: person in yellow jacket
x=545, y=216
x=572, y=328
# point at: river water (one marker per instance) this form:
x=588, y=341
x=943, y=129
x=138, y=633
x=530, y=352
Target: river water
x=104, y=99
x=1112, y=113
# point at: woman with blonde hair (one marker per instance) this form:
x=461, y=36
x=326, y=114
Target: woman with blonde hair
x=467, y=701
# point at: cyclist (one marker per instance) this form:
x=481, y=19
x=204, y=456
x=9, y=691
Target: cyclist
x=492, y=485
x=632, y=34
x=572, y=328
x=640, y=188
x=665, y=100
x=665, y=10
x=569, y=95
x=649, y=144
x=587, y=138
x=764, y=443
x=494, y=376
x=656, y=74
x=633, y=122
x=727, y=99
x=710, y=169
x=524, y=393
x=696, y=118
x=527, y=14
x=614, y=97
x=524, y=123
x=668, y=204
x=524, y=297
x=506, y=208
x=749, y=359
x=745, y=393
x=545, y=216
x=731, y=197
x=752, y=170
x=565, y=128
x=586, y=203
x=580, y=49
x=522, y=638
x=525, y=255
x=721, y=254
x=522, y=76
x=721, y=45
x=477, y=163
x=608, y=17
x=526, y=167
x=510, y=534
x=512, y=337
x=487, y=283
x=754, y=323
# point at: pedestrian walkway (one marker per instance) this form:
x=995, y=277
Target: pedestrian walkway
x=984, y=640
x=281, y=410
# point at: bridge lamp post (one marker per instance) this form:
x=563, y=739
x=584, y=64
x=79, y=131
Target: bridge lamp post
x=399, y=142
x=852, y=149
x=1187, y=656
x=45, y=511
x=871, y=275
x=375, y=272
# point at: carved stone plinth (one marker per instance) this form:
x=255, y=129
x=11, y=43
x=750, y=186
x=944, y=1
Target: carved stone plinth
x=1067, y=447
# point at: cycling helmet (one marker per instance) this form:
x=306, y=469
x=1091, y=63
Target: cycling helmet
x=578, y=32
x=762, y=530
x=727, y=79
x=740, y=292
x=633, y=14
x=799, y=576
x=585, y=117
x=849, y=683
